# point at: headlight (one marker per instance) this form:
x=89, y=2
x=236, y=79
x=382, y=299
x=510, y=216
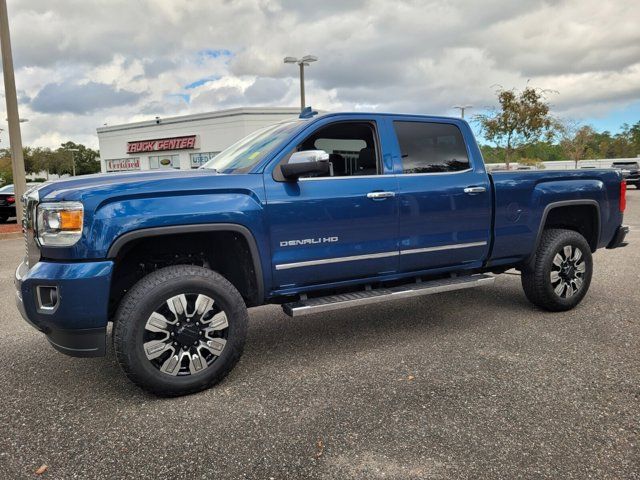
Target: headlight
x=60, y=223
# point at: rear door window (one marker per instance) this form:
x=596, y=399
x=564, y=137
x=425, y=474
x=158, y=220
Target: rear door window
x=430, y=147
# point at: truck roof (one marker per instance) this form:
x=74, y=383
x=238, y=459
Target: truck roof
x=385, y=114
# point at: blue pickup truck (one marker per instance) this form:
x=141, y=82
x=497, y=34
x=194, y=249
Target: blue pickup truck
x=315, y=214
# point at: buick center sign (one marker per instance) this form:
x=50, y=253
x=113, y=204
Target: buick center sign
x=162, y=144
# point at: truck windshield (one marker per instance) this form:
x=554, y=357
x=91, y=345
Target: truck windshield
x=244, y=154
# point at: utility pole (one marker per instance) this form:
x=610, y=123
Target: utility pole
x=462, y=108
x=302, y=62
x=73, y=159
x=15, y=140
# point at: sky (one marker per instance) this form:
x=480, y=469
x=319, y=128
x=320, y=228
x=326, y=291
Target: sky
x=81, y=64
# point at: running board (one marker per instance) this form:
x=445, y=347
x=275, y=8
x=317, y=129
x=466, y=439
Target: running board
x=366, y=297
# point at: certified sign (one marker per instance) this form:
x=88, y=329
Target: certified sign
x=162, y=144
x=123, y=164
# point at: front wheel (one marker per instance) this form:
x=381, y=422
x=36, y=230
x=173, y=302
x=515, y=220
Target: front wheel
x=561, y=274
x=180, y=330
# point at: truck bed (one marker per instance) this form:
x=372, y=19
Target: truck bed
x=522, y=198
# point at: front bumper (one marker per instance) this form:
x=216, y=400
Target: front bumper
x=77, y=324
x=618, y=238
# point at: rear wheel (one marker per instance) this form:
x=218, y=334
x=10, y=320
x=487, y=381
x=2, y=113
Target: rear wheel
x=561, y=274
x=180, y=330
x=4, y=218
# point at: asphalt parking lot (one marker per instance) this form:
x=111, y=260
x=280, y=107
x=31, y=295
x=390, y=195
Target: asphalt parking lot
x=476, y=384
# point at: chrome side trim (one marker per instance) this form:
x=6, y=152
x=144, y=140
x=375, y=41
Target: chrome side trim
x=442, y=247
x=324, y=261
x=390, y=174
x=435, y=173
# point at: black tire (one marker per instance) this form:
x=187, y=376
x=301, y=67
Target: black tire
x=541, y=285
x=152, y=293
x=3, y=218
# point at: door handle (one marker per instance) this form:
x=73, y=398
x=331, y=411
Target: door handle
x=380, y=195
x=474, y=190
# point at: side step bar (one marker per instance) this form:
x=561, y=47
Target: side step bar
x=365, y=297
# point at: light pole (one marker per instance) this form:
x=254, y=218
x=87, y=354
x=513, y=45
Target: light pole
x=462, y=108
x=73, y=158
x=302, y=62
x=15, y=140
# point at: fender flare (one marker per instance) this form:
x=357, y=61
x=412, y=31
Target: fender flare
x=125, y=238
x=565, y=203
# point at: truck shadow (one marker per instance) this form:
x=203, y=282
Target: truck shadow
x=273, y=335
x=275, y=340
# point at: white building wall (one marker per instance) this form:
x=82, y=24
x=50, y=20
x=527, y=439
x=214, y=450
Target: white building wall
x=215, y=131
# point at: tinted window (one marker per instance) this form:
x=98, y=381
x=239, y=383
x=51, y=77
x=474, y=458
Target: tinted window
x=431, y=147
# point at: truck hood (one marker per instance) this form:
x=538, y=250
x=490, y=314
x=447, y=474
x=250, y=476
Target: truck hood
x=118, y=203
x=96, y=191
x=74, y=188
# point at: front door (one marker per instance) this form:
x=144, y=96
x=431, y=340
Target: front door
x=340, y=226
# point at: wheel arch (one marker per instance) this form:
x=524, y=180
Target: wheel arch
x=558, y=215
x=123, y=243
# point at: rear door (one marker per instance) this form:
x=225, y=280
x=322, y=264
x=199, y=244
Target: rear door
x=444, y=198
x=341, y=226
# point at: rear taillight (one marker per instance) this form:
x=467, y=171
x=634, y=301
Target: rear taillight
x=11, y=199
x=623, y=196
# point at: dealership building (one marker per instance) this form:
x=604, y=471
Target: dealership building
x=184, y=142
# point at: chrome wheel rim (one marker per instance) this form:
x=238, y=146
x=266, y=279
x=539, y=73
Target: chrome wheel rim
x=568, y=271
x=185, y=334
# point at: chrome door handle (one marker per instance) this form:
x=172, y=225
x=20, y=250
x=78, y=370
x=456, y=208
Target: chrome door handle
x=380, y=195
x=474, y=190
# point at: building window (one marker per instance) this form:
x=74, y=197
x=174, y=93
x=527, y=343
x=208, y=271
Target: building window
x=123, y=164
x=200, y=158
x=164, y=161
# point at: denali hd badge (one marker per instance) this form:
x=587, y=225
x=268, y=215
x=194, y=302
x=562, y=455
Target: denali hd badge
x=308, y=241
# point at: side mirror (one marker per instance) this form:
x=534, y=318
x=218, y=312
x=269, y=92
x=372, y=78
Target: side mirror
x=307, y=162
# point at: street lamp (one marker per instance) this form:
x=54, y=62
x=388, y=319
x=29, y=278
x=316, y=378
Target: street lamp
x=73, y=158
x=302, y=62
x=462, y=108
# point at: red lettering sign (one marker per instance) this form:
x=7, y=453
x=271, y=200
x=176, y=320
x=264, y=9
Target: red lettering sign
x=162, y=144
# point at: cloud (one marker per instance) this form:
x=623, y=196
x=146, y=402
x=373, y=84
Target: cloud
x=266, y=90
x=92, y=59
x=80, y=98
x=156, y=66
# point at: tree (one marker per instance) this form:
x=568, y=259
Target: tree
x=575, y=140
x=86, y=159
x=523, y=118
x=6, y=172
